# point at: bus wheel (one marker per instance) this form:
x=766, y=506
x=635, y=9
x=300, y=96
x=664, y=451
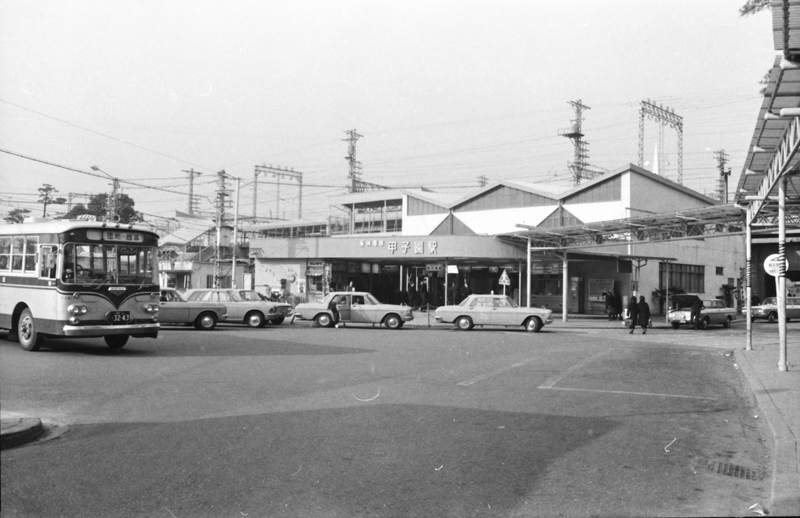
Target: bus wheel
x=116, y=341
x=29, y=338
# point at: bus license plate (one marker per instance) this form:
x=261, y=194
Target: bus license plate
x=119, y=317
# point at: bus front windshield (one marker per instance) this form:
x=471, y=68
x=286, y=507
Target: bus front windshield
x=109, y=264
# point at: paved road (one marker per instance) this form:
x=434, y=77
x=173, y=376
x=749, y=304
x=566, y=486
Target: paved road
x=298, y=421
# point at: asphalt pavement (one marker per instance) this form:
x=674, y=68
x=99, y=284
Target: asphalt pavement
x=776, y=394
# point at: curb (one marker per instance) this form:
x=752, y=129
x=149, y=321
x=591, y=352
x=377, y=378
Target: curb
x=17, y=431
x=785, y=488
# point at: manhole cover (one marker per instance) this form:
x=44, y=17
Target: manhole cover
x=732, y=470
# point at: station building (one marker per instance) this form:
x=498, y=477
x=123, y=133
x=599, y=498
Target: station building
x=419, y=247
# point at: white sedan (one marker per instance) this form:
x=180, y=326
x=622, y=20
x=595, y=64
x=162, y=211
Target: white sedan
x=357, y=307
x=493, y=310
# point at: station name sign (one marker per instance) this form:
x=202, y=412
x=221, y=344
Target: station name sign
x=403, y=247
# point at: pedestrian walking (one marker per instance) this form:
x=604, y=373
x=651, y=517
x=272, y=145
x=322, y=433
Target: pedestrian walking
x=633, y=312
x=334, y=310
x=609, y=299
x=697, y=307
x=617, y=306
x=644, y=314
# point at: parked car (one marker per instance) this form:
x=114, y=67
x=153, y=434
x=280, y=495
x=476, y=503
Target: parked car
x=174, y=309
x=768, y=309
x=248, y=312
x=282, y=309
x=493, y=310
x=714, y=312
x=356, y=307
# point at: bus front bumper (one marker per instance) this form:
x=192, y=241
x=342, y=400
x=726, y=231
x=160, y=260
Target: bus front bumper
x=140, y=330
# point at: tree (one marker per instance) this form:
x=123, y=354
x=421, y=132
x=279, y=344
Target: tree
x=16, y=215
x=98, y=205
x=44, y=197
x=753, y=6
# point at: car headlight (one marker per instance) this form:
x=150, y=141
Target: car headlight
x=151, y=308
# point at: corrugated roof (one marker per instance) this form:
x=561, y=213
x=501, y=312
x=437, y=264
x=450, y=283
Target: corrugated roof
x=776, y=138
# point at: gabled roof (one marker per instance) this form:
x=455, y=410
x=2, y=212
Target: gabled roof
x=640, y=171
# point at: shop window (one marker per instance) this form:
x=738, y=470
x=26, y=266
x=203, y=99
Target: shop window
x=720, y=270
x=688, y=277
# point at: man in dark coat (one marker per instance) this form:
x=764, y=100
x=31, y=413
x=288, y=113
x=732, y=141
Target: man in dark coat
x=697, y=307
x=633, y=312
x=644, y=314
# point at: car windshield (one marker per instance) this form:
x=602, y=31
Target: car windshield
x=250, y=295
x=505, y=302
x=770, y=301
x=171, y=296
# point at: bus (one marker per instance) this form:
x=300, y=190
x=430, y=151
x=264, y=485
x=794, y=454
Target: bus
x=69, y=278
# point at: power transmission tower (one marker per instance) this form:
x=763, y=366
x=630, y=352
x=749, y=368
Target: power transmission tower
x=192, y=206
x=279, y=173
x=722, y=192
x=665, y=117
x=355, y=166
x=579, y=164
x=482, y=180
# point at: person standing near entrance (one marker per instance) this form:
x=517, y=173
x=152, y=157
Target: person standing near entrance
x=334, y=310
x=697, y=307
x=644, y=314
x=412, y=294
x=423, y=294
x=633, y=312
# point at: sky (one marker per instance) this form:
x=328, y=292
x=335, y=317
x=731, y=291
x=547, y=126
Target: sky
x=445, y=94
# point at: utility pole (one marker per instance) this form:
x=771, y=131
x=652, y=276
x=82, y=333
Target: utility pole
x=192, y=201
x=355, y=166
x=722, y=159
x=235, y=233
x=220, y=206
x=578, y=167
x=482, y=180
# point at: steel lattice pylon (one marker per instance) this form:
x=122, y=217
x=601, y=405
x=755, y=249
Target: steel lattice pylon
x=665, y=117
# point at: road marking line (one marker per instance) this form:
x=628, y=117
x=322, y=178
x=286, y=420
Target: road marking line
x=625, y=392
x=495, y=373
x=555, y=379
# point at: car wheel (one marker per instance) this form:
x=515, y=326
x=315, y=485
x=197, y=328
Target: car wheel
x=772, y=318
x=705, y=323
x=116, y=341
x=676, y=325
x=392, y=321
x=29, y=337
x=727, y=323
x=254, y=319
x=278, y=320
x=205, y=321
x=464, y=323
x=324, y=320
x=533, y=325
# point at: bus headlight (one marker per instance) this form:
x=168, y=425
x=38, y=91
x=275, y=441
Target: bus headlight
x=151, y=308
x=77, y=309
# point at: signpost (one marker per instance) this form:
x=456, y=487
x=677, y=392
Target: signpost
x=504, y=281
x=772, y=265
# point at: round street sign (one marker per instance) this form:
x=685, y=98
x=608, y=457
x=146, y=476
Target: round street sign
x=772, y=264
